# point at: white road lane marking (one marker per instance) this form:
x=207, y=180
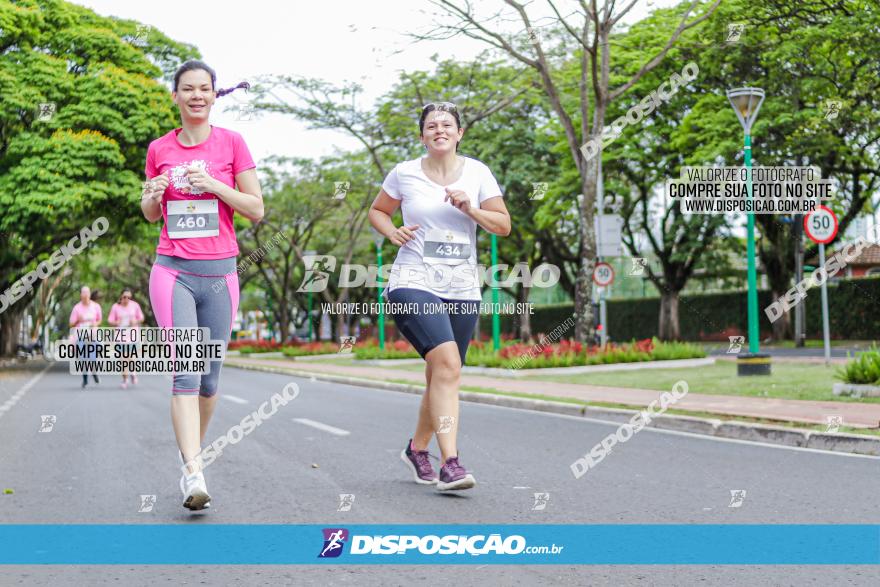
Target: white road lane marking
x=7, y=405
x=235, y=399
x=322, y=426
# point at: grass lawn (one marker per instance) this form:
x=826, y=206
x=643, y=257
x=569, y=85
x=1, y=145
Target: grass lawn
x=788, y=381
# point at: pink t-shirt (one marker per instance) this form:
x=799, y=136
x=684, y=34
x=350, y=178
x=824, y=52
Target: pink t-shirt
x=223, y=155
x=126, y=316
x=83, y=315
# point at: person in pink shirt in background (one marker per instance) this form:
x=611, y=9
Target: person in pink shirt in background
x=126, y=313
x=86, y=314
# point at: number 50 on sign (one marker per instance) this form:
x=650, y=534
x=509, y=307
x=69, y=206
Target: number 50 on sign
x=821, y=225
x=603, y=274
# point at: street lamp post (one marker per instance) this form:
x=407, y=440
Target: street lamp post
x=379, y=239
x=309, y=255
x=496, y=320
x=746, y=103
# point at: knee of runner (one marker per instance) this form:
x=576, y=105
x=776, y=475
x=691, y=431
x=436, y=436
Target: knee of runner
x=208, y=390
x=447, y=364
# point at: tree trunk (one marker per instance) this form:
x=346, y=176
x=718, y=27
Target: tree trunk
x=10, y=326
x=583, y=305
x=341, y=326
x=669, y=326
x=782, y=326
x=284, y=323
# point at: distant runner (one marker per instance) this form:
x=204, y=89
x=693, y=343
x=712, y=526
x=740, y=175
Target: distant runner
x=126, y=313
x=86, y=314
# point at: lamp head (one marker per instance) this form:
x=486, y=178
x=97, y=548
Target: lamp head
x=746, y=103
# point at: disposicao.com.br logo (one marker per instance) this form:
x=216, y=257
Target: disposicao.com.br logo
x=451, y=544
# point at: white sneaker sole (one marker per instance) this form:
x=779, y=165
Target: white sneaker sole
x=415, y=472
x=465, y=482
x=197, y=500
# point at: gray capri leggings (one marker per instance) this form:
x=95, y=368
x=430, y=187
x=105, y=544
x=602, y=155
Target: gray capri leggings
x=195, y=293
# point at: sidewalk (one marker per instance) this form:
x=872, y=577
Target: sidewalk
x=855, y=415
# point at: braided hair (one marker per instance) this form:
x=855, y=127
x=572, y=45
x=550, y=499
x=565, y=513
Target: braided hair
x=195, y=64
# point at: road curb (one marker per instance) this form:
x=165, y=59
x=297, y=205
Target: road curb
x=847, y=443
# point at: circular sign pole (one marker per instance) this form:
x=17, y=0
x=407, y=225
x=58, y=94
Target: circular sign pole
x=821, y=226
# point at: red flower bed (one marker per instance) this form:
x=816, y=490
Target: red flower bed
x=401, y=345
x=566, y=347
x=261, y=345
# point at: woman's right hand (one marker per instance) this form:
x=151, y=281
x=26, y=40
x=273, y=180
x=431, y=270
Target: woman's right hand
x=404, y=234
x=155, y=187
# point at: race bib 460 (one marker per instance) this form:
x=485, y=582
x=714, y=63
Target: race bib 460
x=193, y=218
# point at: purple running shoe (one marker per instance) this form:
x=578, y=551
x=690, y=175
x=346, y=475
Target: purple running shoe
x=453, y=476
x=418, y=463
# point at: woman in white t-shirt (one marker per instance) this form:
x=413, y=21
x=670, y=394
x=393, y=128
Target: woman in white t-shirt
x=434, y=287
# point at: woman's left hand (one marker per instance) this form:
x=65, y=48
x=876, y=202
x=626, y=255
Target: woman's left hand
x=459, y=199
x=199, y=178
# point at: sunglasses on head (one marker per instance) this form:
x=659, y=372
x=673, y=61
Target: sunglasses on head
x=447, y=106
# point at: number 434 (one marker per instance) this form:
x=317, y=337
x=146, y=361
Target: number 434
x=448, y=250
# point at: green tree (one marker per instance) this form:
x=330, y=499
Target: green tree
x=807, y=56
x=302, y=214
x=580, y=35
x=64, y=165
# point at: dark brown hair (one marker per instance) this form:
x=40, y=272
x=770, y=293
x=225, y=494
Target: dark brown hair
x=442, y=107
x=196, y=65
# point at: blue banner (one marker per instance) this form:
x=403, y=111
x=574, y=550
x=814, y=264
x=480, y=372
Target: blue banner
x=634, y=544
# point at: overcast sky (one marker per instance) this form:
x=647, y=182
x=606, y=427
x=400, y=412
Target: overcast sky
x=336, y=40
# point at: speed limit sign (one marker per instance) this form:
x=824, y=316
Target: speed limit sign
x=821, y=225
x=603, y=274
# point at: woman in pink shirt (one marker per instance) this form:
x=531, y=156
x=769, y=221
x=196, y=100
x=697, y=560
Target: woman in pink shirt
x=86, y=314
x=198, y=176
x=126, y=313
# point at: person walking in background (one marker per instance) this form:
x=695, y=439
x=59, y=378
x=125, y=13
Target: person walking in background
x=86, y=314
x=126, y=314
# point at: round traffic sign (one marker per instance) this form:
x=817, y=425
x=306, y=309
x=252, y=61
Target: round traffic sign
x=603, y=274
x=821, y=225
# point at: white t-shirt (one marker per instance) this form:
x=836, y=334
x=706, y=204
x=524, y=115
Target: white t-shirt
x=448, y=267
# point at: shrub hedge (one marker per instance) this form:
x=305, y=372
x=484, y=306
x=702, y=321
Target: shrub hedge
x=853, y=309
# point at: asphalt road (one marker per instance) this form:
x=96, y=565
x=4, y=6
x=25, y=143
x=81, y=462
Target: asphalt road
x=108, y=446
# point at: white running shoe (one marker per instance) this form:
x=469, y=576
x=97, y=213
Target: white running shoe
x=195, y=492
x=183, y=481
